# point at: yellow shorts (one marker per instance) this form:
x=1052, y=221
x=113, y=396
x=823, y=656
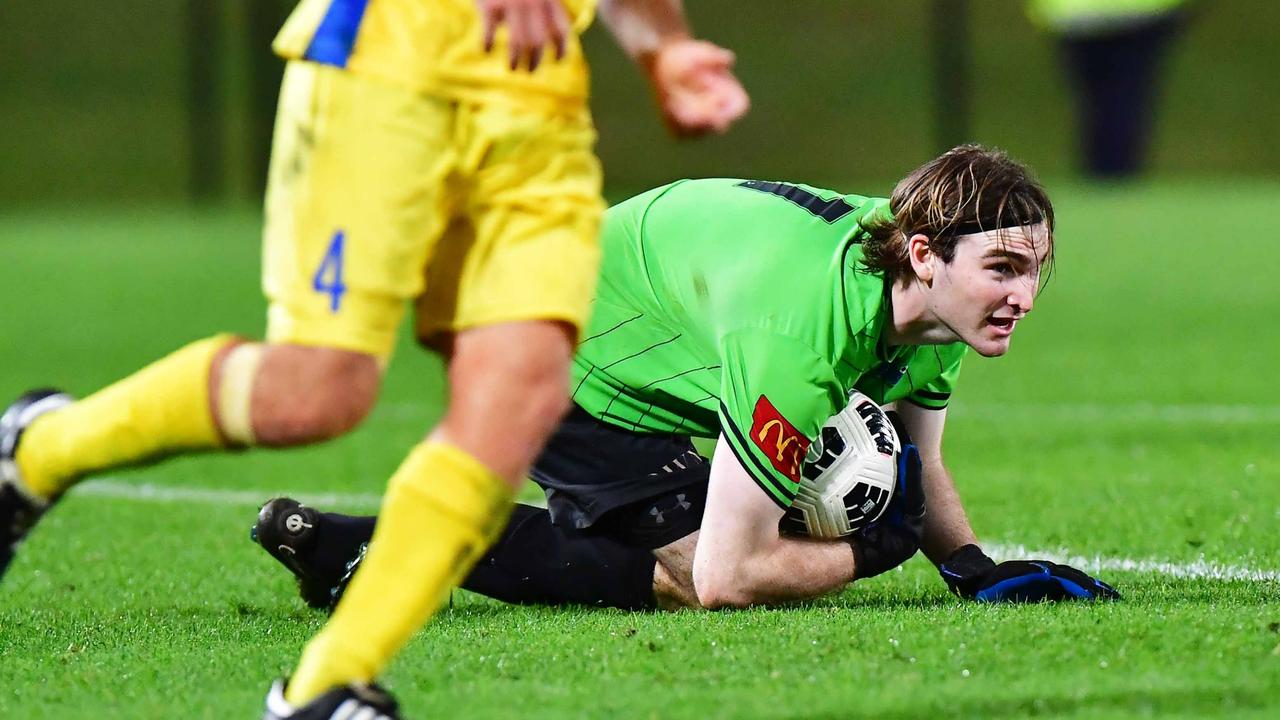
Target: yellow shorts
x=378, y=195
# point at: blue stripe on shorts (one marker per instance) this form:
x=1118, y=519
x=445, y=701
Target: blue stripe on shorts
x=336, y=35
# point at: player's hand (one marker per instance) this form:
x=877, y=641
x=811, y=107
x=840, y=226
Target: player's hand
x=531, y=26
x=895, y=537
x=696, y=88
x=974, y=576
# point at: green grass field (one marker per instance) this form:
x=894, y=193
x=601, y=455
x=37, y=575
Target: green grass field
x=1133, y=427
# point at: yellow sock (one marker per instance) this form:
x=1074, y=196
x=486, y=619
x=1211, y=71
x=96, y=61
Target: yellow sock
x=442, y=510
x=161, y=409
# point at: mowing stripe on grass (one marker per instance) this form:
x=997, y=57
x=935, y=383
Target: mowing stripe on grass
x=1200, y=569
x=1170, y=414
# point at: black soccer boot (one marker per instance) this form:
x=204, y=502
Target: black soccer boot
x=292, y=532
x=19, y=509
x=352, y=702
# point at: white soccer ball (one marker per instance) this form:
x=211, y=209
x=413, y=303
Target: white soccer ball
x=849, y=473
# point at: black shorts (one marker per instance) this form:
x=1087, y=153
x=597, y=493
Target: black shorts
x=643, y=490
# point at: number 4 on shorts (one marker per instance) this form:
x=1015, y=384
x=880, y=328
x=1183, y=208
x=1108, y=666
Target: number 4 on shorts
x=328, y=277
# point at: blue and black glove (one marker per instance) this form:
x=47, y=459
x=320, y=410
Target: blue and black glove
x=972, y=575
x=895, y=537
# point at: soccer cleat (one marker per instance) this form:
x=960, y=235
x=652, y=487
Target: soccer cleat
x=19, y=509
x=290, y=531
x=352, y=702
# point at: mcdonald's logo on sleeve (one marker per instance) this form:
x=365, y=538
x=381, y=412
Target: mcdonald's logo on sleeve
x=778, y=439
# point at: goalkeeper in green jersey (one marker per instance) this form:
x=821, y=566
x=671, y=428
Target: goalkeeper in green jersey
x=747, y=311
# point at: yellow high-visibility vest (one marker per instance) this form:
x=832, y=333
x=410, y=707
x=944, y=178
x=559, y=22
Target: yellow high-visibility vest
x=1083, y=15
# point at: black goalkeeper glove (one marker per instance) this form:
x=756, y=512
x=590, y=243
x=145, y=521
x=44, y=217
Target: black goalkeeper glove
x=972, y=575
x=895, y=537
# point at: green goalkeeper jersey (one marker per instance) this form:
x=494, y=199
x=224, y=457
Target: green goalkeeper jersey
x=740, y=307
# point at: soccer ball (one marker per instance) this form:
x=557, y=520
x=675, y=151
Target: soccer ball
x=848, y=476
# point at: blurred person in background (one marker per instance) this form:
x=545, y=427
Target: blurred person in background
x=1113, y=51
x=434, y=152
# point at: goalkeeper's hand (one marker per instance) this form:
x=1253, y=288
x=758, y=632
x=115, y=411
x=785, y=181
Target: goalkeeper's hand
x=972, y=575
x=895, y=537
x=696, y=89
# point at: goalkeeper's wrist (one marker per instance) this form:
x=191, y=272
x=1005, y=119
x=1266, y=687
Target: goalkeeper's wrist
x=877, y=550
x=859, y=561
x=964, y=570
x=649, y=56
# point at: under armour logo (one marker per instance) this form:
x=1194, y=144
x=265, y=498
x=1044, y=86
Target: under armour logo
x=681, y=504
x=687, y=460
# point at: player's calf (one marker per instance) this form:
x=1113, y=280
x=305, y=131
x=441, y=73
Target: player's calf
x=286, y=395
x=508, y=389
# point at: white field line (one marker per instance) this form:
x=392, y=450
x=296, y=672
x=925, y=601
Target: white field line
x=1200, y=569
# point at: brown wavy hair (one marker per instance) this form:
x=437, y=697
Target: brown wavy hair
x=966, y=190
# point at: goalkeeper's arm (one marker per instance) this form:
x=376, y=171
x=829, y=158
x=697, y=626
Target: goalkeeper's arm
x=692, y=79
x=741, y=559
x=950, y=543
x=946, y=526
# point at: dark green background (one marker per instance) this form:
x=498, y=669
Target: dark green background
x=92, y=96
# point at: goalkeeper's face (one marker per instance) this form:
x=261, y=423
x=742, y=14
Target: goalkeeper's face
x=989, y=285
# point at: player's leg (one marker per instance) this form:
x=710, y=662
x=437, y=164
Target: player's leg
x=321, y=549
x=448, y=501
x=298, y=395
x=185, y=402
x=673, y=587
x=536, y=562
x=617, y=494
x=614, y=496
x=586, y=464
x=510, y=287
x=1126, y=101
x=1116, y=77
x=533, y=561
x=214, y=393
x=342, y=255
x=201, y=397
x=166, y=405
x=626, y=509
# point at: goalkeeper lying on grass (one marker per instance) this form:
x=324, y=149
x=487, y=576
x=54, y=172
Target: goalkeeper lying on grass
x=749, y=311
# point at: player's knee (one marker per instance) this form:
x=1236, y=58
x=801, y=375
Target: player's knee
x=308, y=394
x=721, y=595
x=716, y=588
x=672, y=592
x=344, y=391
x=720, y=584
